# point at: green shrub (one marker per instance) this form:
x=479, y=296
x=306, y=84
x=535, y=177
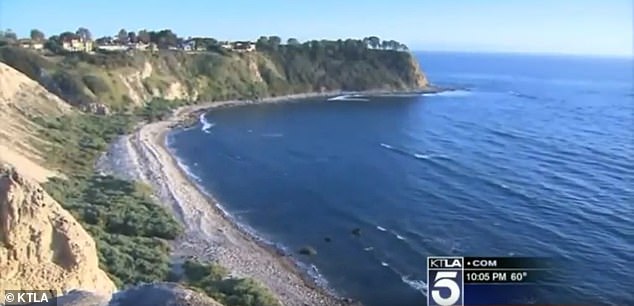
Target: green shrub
x=130, y=230
x=214, y=280
x=158, y=109
x=97, y=85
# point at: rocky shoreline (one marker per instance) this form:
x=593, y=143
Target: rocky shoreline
x=209, y=233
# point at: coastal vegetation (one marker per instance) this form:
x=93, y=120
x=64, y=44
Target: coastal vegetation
x=215, y=281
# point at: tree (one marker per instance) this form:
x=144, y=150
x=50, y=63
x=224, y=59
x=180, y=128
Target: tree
x=275, y=41
x=144, y=36
x=53, y=44
x=132, y=37
x=206, y=43
x=292, y=42
x=262, y=43
x=8, y=35
x=68, y=36
x=164, y=38
x=37, y=35
x=374, y=41
x=385, y=44
x=84, y=34
x=106, y=40
x=122, y=37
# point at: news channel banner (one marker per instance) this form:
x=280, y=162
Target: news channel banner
x=485, y=280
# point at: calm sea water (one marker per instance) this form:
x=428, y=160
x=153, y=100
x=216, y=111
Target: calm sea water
x=533, y=157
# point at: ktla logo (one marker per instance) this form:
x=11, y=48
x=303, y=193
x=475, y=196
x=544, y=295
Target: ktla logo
x=445, y=281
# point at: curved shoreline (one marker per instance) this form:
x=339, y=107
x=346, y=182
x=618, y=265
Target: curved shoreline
x=210, y=233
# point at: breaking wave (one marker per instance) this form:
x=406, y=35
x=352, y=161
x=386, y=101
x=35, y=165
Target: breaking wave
x=419, y=285
x=349, y=98
x=206, y=124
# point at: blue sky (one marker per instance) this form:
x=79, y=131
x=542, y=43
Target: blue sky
x=601, y=27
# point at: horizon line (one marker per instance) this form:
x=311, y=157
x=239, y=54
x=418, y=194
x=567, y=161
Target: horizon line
x=519, y=52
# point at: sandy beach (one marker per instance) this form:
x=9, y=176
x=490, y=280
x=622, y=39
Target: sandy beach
x=209, y=233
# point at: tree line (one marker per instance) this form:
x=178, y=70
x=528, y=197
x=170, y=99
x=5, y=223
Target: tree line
x=167, y=38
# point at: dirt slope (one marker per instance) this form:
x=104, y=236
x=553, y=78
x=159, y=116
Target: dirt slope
x=20, y=99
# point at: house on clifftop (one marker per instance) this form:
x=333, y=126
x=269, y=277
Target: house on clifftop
x=244, y=46
x=30, y=44
x=239, y=46
x=77, y=44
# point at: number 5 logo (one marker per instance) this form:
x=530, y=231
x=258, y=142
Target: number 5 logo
x=444, y=279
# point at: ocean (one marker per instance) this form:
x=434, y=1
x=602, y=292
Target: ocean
x=531, y=155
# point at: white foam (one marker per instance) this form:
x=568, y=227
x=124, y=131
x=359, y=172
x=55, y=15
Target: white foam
x=387, y=146
x=421, y=156
x=381, y=228
x=399, y=237
x=419, y=285
x=448, y=93
x=187, y=170
x=385, y=264
x=348, y=98
x=206, y=124
x=368, y=249
x=337, y=98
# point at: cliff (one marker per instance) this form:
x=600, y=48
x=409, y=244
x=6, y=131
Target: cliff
x=120, y=81
x=41, y=245
x=22, y=99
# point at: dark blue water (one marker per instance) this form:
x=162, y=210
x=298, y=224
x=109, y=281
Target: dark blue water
x=534, y=158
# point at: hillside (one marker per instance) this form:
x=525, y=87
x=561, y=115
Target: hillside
x=22, y=99
x=125, y=80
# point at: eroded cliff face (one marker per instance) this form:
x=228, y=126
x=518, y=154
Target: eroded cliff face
x=21, y=99
x=126, y=80
x=140, y=87
x=41, y=245
x=420, y=78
